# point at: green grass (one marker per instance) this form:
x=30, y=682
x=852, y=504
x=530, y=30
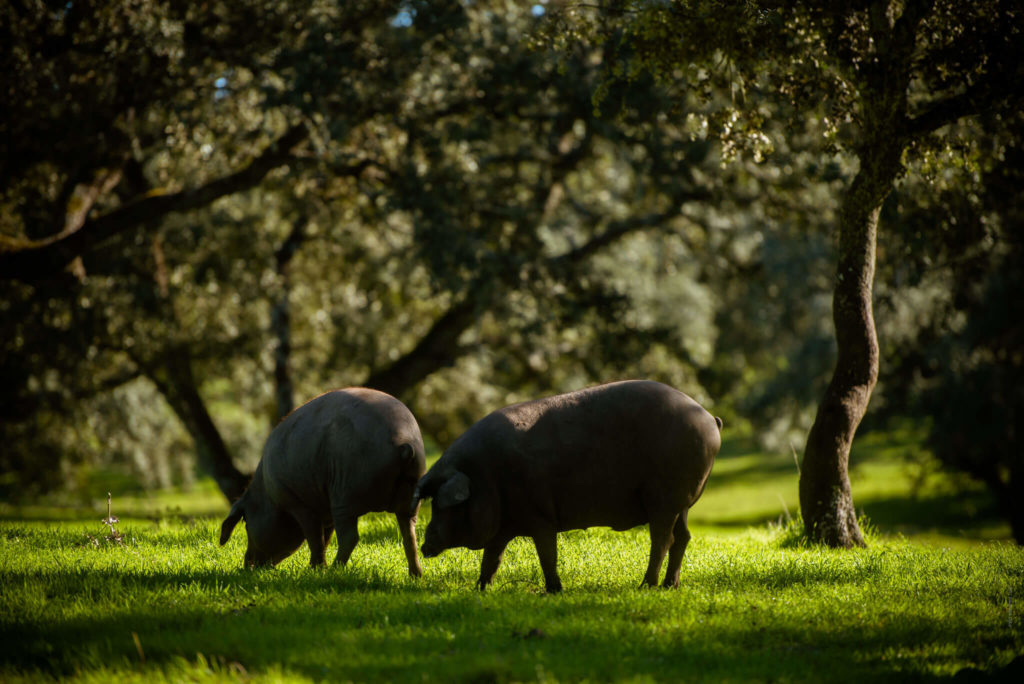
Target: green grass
x=895, y=484
x=754, y=605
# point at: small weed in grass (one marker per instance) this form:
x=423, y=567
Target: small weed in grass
x=113, y=535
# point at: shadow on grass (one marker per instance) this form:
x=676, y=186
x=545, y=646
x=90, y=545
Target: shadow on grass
x=965, y=512
x=308, y=626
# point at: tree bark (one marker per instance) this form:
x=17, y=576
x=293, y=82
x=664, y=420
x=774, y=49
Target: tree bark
x=1015, y=502
x=826, y=501
x=176, y=382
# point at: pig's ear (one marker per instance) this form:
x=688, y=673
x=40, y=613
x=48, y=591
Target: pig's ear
x=454, y=491
x=228, y=526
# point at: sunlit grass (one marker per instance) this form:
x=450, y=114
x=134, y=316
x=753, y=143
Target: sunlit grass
x=894, y=482
x=751, y=607
x=170, y=604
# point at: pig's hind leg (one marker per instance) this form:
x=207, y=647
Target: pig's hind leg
x=346, y=526
x=407, y=528
x=681, y=535
x=661, y=540
x=313, y=530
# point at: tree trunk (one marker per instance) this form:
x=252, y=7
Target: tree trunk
x=177, y=383
x=1015, y=502
x=280, y=322
x=826, y=502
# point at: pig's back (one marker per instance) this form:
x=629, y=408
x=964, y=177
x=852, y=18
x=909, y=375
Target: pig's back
x=604, y=455
x=331, y=442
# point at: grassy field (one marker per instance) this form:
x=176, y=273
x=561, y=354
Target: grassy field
x=167, y=603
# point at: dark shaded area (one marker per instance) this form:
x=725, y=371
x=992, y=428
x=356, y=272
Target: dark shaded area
x=1013, y=672
x=495, y=645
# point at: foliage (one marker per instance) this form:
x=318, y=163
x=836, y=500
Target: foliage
x=981, y=366
x=447, y=195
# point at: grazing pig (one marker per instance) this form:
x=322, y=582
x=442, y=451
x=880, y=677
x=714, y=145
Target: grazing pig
x=340, y=455
x=616, y=455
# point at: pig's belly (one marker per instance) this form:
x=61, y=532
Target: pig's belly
x=618, y=515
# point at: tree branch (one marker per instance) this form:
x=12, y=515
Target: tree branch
x=175, y=379
x=44, y=259
x=615, y=231
x=975, y=99
x=437, y=349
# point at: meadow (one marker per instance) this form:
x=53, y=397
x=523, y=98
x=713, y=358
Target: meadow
x=933, y=597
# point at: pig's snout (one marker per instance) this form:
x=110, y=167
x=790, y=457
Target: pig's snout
x=429, y=551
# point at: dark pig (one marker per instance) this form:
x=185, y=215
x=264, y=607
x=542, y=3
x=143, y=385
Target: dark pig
x=616, y=455
x=342, y=454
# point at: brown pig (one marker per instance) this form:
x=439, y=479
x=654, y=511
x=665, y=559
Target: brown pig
x=342, y=454
x=616, y=455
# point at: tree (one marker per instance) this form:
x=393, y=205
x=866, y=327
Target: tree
x=889, y=78
x=367, y=201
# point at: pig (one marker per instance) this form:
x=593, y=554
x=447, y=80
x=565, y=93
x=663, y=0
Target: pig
x=342, y=454
x=616, y=455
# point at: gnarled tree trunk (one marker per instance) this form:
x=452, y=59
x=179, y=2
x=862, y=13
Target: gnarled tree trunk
x=176, y=382
x=826, y=502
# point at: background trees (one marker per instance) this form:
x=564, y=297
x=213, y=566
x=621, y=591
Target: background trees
x=384, y=197
x=213, y=211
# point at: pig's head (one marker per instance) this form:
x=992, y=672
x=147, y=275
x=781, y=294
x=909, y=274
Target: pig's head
x=465, y=513
x=273, y=534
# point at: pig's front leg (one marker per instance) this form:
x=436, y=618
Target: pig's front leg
x=493, y=553
x=546, y=544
